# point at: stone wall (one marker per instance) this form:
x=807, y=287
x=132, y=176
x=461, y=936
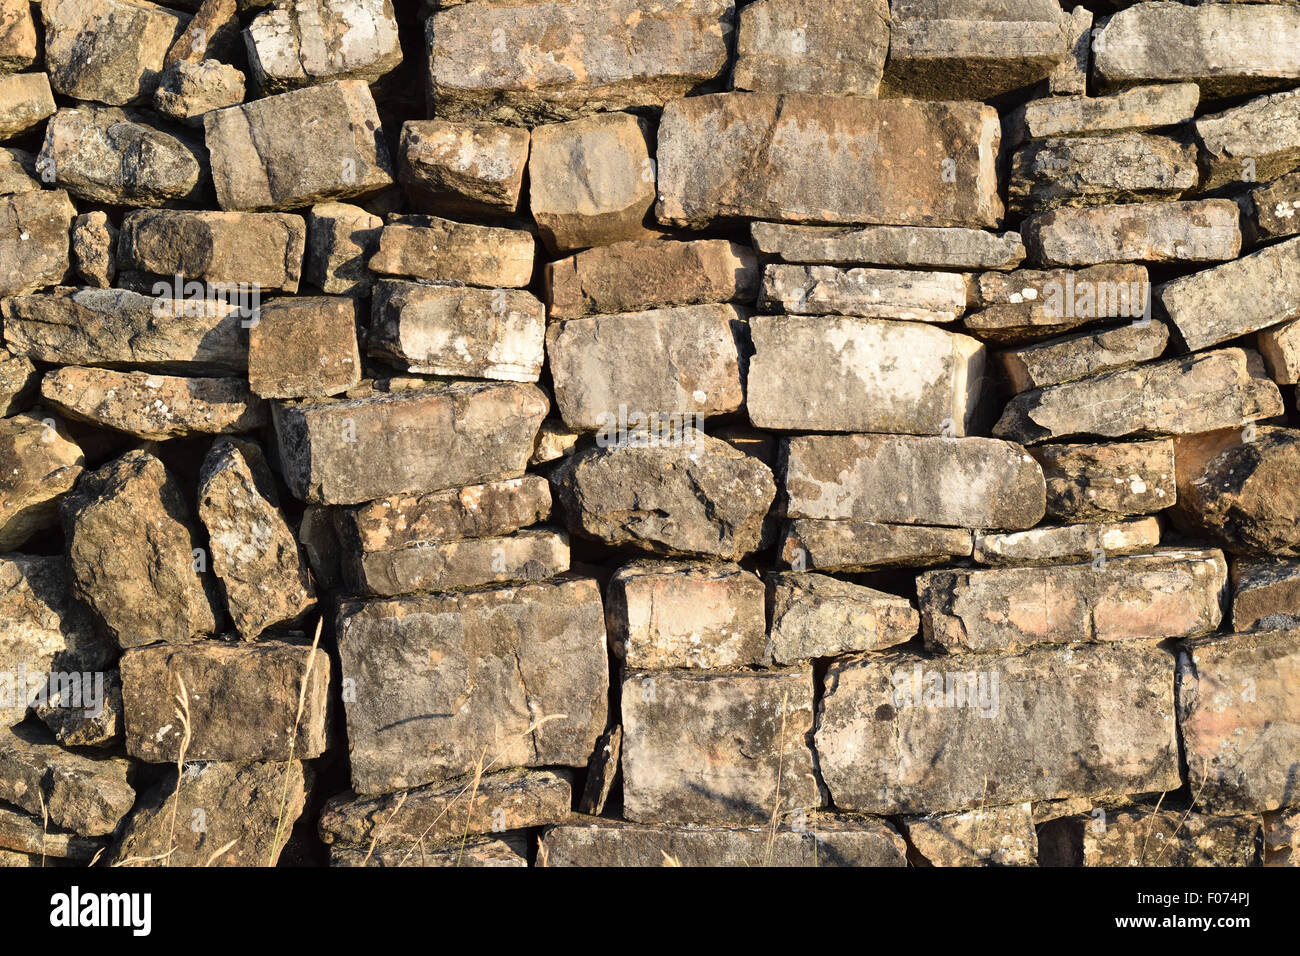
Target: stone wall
x=649, y=432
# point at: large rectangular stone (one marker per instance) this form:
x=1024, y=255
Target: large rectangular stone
x=683, y=361
x=847, y=545
x=441, y=250
x=851, y=374
x=1205, y=230
x=1115, y=479
x=913, y=247
x=815, y=615
x=442, y=436
x=875, y=293
x=540, y=61
x=1178, y=396
x=1079, y=356
x=1166, y=594
x=34, y=228
x=1132, y=110
x=1239, y=715
x=717, y=747
x=240, y=701
x=964, y=482
x=445, y=683
x=798, y=158
x=1252, y=293
x=898, y=733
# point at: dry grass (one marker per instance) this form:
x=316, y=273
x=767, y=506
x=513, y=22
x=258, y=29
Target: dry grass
x=276, y=845
x=183, y=715
x=774, y=821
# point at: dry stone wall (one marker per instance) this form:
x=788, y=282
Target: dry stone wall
x=649, y=432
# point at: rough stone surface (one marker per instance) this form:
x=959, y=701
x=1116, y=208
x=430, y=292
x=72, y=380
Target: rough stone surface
x=1265, y=594
x=666, y=614
x=1254, y=142
x=849, y=545
x=1034, y=738
x=1206, y=230
x=1167, y=594
x=1079, y=356
x=94, y=249
x=768, y=156
x=463, y=168
x=815, y=615
x=39, y=464
x=86, y=794
x=695, y=497
x=1273, y=210
x=835, y=47
x=920, y=247
x=304, y=347
x=347, y=452
x=1147, y=837
x=25, y=102
x=1136, y=109
x=1094, y=540
x=18, y=48
x=340, y=241
x=243, y=701
x=34, y=240
x=428, y=247
x=1102, y=481
x=108, y=51
x=446, y=682
x=966, y=482
x=73, y=723
x=188, y=91
x=875, y=293
x=986, y=836
x=306, y=42
x=130, y=545
x=717, y=746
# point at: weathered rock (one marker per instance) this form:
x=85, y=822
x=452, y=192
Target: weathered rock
x=86, y=794
x=543, y=61
x=212, y=31
x=34, y=240
x=1240, y=719
x=439, y=814
x=1282, y=838
x=985, y=836
x=682, y=362
x=454, y=330
x=1133, y=110
x=427, y=247
x=346, y=452
x=875, y=293
x=1071, y=75
x=1272, y=211
x=510, y=849
x=836, y=47
x=1205, y=230
x=22, y=834
x=446, y=683
x=187, y=91
x=916, y=247
x=230, y=815
x=1040, y=724
x=94, y=249
x=812, y=544
x=1226, y=49
x=17, y=170
x=529, y=555
x=1235, y=298
x=1245, y=494
x=130, y=544
x=19, y=381
x=1166, y=594
x=717, y=747
x=151, y=406
x=463, y=168
x=814, y=615
x=1079, y=356
x=1146, y=837
x=39, y=464
x=254, y=553
x=555, y=440
x=18, y=49
x=240, y=250
x=967, y=49
x=1280, y=347
x=243, y=701
x=1096, y=170
x=1254, y=142
x=1265, y=594
x=340, y=241
x=602, y=769
x=259, y=160
x=1115, y=479
x=305, y=42
x=109, y=51
x=78, y=718
x=905, y=479
x=646, y=274
x=43, y=631
x=304, y=347
x=1081, y=295
x=1178, y=396
x=115, y=328
x=476, y=511
x=662, y=614
x=831, y=841
x=108, y=155
x=25, y=102
x=800, y=158
x=853, y=374
x=684, y=496
x=1095, y=540
x=591, y=181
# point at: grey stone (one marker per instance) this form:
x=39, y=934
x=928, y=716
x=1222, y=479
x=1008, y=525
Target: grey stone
x=914, y=247
x=815, y=615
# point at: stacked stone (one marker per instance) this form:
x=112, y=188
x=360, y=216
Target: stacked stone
x=804, y=433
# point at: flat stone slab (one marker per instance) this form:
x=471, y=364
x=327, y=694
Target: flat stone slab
x=850, y=545
x=904, y=479
x=959, y=732
x=448, y=682
x=1149, y=837
x=908, y=247
x=1136, y=109
x=734, y=156
x=1094, y=540
x=1090, y=482
x=836, y=47
x=437, y=249
x=875, y=293
x=1166, y=594
x=1080, y=356
x=1204, y=230
x=1265, y=594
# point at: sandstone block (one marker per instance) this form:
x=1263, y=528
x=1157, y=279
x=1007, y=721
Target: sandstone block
x=304, y=347
x=427, y=247
x=463, y=168
x=814, y=615
x=1205, y=230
